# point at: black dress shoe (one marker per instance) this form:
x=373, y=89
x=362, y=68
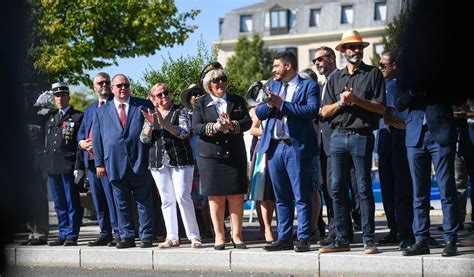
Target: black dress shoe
x=126, y=243
x=114, y=242
x=419, y=248
x=279, y=245
x=219, y=247
x=239, y=245
x=100, y=241
x=25, y=242
x=450, y=249
x=326, y=241
x=302, y=246
x=70, y=242
x=146, y=243
x=56, y=242
x=388, y=239
x=34, y=242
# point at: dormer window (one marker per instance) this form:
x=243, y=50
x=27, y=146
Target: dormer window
x=278, y=21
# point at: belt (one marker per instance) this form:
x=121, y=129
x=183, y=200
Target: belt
x=282, y=141
x=349, y=131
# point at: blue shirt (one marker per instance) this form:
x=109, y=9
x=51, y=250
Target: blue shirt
x=392, y=91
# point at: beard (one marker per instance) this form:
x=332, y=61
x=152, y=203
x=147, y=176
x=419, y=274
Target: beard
x=354, y=59
x=320, y=70
x=105, y=93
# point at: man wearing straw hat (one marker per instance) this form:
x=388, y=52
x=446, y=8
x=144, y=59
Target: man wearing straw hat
x=353, y=104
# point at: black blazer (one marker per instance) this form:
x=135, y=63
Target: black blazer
x=61, y=152
x=221, y=145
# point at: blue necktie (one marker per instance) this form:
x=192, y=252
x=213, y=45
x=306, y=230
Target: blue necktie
x=280, y=127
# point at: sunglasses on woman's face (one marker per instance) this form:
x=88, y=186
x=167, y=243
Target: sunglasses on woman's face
x=162, y=94
x=220, y=79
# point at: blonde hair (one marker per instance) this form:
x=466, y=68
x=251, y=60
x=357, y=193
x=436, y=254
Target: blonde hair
x=216, y=73
x=165, y=88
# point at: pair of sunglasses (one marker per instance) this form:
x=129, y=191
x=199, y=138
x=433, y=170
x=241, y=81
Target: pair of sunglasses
x=219, y=79
x=101, y=83
x=162, y=94
x=120, y=86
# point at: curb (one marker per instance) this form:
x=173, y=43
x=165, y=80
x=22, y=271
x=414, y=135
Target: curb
x=388, y=263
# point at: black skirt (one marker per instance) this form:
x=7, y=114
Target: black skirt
x=219, y=177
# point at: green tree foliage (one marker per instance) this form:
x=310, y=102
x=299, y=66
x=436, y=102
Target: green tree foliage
x=250, y=63
x=395, y=31
x=69, y=38
x=81, y=100
x=178, y=73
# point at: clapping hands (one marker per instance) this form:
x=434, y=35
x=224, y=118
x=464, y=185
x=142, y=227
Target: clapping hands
x=223, y=124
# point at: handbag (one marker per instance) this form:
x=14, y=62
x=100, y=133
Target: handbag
x=257, y=181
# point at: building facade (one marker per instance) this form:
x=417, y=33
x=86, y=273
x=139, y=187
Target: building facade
x=304, y=25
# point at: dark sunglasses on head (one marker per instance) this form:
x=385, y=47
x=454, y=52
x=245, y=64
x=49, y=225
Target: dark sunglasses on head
x=101, y=83
x=220, y=79
x=126, y=85
x=384, y=65
x=355, y=46
x=162, y=94
x=319, y=59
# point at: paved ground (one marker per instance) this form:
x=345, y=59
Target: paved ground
x=202, y=262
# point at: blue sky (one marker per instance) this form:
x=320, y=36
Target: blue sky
x=208, y=23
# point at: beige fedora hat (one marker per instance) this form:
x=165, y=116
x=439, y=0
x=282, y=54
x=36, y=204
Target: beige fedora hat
x=353, y=37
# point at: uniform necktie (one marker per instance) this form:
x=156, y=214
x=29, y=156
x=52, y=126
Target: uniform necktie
x=101, y=103
x=61, y=114
x=280, y=128
x=123, y=119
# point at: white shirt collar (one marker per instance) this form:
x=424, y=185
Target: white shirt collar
x=117, y=103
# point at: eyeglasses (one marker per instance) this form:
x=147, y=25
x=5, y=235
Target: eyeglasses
x=319, y=59
x=162, y=94
x=384, y=65
x=101, y=83
x=220, y=79
x=354, y=46
x=120, y=86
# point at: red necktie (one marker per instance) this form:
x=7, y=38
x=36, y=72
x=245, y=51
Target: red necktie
x=91, y=154
x=123, y=119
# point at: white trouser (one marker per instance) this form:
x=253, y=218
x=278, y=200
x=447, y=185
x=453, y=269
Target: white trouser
x=174, y=185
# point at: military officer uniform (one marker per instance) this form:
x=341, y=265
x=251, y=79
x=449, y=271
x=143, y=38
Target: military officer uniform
x=60, y=158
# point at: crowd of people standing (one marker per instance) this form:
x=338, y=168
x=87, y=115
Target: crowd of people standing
x=313, y=142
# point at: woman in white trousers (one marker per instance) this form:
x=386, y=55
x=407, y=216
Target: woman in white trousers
x=171, y=163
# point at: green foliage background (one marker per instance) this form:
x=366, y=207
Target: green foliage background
x=178, y=73
x=69, y=38
x=251, y=62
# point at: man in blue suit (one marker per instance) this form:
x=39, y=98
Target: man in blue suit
x=290, y=143
x=119, y=155
x=430, y=137
x=100, y=187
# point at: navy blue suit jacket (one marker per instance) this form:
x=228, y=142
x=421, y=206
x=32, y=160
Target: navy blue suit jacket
x=86, y=125
x=439, y=119
x=115, y=147
x=300, y=113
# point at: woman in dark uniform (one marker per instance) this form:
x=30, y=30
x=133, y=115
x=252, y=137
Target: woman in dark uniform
x=219, y=119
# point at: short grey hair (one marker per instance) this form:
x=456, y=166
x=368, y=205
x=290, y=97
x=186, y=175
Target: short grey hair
x=216, y=73
x=101, y=74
